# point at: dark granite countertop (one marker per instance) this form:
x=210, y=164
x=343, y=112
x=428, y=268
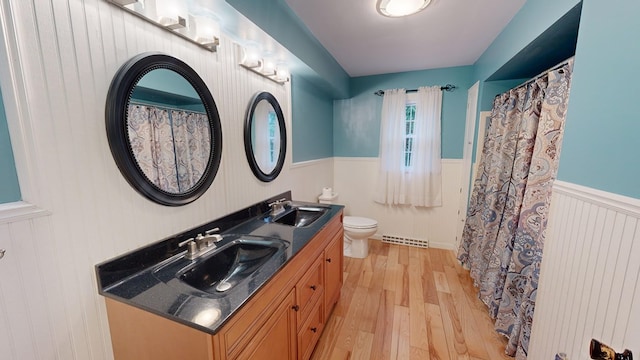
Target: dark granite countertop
x=140, y=278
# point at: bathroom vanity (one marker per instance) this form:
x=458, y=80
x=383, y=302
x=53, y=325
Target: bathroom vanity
x=272, y=306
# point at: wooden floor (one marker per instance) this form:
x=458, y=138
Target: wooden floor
x=408, y=303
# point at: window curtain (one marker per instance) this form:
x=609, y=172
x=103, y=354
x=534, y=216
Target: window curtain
x=504, y=232
x=420, y=184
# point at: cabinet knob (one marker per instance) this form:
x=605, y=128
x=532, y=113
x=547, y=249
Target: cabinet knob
x=313, y=329
x=328, y=260
x=295, y=307
x=313, y=287
x=2, y=251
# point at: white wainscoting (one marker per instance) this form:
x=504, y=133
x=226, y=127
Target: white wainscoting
x=310, y=177
x=355, y=181
x=590, y=276
x=69, y=51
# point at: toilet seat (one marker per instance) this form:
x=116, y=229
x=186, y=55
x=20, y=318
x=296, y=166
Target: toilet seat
x=356, y=222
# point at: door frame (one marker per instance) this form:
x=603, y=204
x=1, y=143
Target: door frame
x=469, y=133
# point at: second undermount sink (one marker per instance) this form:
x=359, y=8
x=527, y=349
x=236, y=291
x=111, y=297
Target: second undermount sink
x=301, y=216
x=231, y=264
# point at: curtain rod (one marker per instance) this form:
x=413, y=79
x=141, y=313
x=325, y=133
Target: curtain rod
x=555, y=67
x=447, y=87
x=164, y=107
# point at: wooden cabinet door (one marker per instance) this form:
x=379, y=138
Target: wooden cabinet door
x=277, y=337
x=333, y=261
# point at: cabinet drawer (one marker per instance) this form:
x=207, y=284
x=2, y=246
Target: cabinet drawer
x=310, y=331
x=309, y=289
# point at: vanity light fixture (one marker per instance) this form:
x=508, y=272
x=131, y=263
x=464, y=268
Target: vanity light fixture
x=173, y=16
x=268, y=68
x=282, y=75
x=173, y=23
x=206, y=31
x=399, y=8
x=251, y=61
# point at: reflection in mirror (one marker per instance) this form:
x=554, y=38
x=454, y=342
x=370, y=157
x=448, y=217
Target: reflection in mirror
x=265, y=137
x=168, y=131
x=163, y=128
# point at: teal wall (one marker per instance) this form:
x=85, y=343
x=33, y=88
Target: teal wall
x=530, y=22
x=357, y=120
x=600, y=146
x=279, y=21
x=312, y=121
x=599, y=142
x=9, y=187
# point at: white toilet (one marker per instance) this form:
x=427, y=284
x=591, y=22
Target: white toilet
x=357, y=231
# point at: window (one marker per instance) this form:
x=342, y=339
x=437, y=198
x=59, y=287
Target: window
x=410, y=165
x=273, y=147
x=409, y=135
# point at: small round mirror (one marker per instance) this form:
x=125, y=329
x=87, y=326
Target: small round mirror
x=265, y=138
x=163, y=129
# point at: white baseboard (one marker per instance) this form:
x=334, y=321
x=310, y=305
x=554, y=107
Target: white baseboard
x=441, y=245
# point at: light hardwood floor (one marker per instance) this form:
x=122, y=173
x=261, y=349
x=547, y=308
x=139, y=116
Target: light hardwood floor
x=408, y=303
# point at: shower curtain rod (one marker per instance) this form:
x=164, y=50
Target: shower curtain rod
x=555, y=67
x=447, y=87
x=164, y=107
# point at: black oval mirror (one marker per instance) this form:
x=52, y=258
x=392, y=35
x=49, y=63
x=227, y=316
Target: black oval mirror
x=265, y=137
x=163, y=129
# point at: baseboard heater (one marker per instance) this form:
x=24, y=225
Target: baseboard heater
x=401, y=240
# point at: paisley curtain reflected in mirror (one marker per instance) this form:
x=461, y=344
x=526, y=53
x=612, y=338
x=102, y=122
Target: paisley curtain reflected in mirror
x=265, y=137
x=164, y=129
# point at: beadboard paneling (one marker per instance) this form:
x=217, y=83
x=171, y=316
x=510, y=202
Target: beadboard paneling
x=589, y=282
x=355, y=181
x=68, y=51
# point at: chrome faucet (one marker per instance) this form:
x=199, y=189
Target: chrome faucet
x=201, y=244
x=277, y=207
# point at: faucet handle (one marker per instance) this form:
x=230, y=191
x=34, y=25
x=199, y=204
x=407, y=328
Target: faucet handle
x=213, y=237
x=183, y=243
x=192, y=247
x=277, y=202
x=211, y=231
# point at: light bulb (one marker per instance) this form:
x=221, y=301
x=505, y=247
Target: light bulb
x=397, y=8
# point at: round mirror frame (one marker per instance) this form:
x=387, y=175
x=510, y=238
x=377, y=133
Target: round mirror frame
x=116, y=113
x=248, y=146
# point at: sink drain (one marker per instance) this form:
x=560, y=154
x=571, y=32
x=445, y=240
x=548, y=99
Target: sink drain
x=223, y=286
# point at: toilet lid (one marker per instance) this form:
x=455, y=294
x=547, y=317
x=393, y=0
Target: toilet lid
x=357, y=222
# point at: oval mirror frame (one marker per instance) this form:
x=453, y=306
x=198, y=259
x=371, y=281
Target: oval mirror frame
x=248, y=145
x=116, y=112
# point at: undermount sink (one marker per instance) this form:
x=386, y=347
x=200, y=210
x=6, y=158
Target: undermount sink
x=301, y=216
x=227, y=266
x=231, y=264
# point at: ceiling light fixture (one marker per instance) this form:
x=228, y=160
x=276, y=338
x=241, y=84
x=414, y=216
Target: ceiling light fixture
x=399, y=8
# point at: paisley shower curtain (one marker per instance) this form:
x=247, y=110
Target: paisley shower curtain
x=504, y=232
x=171, y=146
x=192, y=146
x=151, y=140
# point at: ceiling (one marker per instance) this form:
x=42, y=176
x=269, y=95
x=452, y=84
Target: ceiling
x=447, y=33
